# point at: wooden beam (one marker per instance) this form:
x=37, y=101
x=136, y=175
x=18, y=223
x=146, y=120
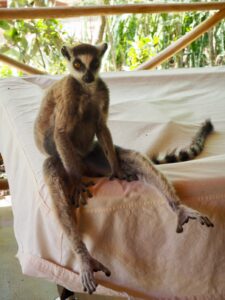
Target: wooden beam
x=4, y=185
x=183, y=41
x=3, y=3
x=103, y=10
x=20, y=66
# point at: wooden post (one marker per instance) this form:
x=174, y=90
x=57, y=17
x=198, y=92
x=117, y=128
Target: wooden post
x=103, y=10
x=3, y=3
x=20, y=66
x=64, y=293
x=4, y=184
x=183, y=41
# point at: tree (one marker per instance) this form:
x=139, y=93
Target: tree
x=133, y=39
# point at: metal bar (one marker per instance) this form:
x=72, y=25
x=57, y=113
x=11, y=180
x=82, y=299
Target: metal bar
x=183, y=41
x=103, y=10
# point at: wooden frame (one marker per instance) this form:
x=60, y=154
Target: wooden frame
x=3, y=3
x=64, y=293
x=104, y=10
x=67, y=12
x=20, y=66
x=4, y=185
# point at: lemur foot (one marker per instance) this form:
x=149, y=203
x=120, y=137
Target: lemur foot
x=126, y=177
x=80, y=193
x=185, y=213
x=122, y=175
x=88, y=267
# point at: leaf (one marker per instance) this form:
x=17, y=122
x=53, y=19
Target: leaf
x=155, y=40
x=4, y=25
x=5, y=71
x=4, y=48
x=11, y=34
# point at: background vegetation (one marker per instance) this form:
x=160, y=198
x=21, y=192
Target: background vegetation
x=133, y=38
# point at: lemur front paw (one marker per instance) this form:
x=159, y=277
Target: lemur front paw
x=80, y=193
x=185, y=213
x=88, y=267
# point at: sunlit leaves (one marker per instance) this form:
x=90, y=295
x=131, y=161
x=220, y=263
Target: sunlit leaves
x=5, y=71
x=133, y=39
x=37, y=42
x=4, y=25
x=152, y=33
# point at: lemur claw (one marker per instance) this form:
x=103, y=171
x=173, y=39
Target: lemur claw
x=80, y=193
x=87, y=274
x=185, y=214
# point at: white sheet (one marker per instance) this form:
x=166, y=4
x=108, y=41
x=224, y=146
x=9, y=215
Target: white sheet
x=129, y=227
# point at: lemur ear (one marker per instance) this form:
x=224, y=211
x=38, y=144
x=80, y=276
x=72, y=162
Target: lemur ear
x=102, y=48
x=65, y=52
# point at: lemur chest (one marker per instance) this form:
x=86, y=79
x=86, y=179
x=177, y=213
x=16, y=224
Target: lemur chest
x=88, y=113
x=89, y=110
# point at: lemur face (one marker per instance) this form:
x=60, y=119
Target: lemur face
x=84, y=61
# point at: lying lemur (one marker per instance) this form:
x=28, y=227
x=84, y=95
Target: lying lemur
x=72, y=113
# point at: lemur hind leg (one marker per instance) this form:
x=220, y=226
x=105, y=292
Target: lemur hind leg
x=56, y=180
x=96, y=164
x=136, y=166
x=134, y=163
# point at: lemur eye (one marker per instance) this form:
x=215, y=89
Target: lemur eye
x=77, y=65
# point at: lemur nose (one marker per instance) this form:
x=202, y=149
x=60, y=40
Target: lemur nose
x=88, y=77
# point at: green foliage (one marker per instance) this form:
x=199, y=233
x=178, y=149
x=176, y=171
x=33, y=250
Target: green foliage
x=35, y=43
x=151, y=33
x=5, y=71
x=133, y=39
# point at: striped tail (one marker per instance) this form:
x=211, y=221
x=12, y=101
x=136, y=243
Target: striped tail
x=191, y=151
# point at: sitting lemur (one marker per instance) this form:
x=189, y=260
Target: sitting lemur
x=73, y=112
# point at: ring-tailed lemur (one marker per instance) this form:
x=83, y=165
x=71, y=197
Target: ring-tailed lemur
x=72, y=113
